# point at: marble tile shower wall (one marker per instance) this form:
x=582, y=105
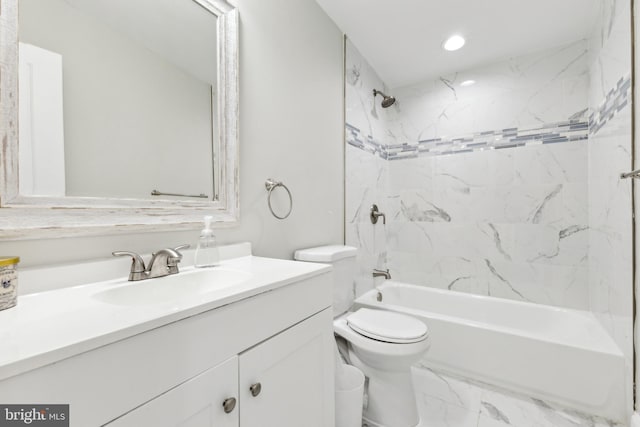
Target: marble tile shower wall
x=468, y=215
x=366, y=174
x=520, y=231
x=491, y=223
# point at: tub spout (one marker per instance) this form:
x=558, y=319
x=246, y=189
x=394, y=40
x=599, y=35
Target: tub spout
x=382, y=273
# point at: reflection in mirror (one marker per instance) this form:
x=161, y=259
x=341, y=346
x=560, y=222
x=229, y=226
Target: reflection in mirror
x=117, y=99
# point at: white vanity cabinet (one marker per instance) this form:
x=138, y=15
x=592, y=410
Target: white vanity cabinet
x=181, y=372
x=282, y=382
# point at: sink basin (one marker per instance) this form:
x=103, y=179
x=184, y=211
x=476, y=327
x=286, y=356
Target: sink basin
x=166, y=289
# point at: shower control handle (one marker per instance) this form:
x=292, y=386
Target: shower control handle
x=375, y=214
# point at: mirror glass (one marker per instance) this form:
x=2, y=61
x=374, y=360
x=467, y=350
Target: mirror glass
x=117, y=99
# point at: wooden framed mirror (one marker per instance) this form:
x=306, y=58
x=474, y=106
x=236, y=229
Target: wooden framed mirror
x=112, y=160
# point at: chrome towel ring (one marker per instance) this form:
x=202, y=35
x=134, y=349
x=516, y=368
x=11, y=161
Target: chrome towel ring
x=271, y=185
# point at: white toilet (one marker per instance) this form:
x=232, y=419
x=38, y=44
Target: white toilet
x=382, y=344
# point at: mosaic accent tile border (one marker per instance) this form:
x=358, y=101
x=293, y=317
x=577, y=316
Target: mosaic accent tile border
x=567, y=131
x=615, y=101
x=356, y=138
x=571, y=130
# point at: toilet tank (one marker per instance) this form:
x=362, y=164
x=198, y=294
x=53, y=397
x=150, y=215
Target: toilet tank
x=343, y=260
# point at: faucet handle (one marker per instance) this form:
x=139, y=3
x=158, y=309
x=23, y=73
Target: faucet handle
x=163, y=262
x=170, y=255
x=138, y=270
x=137, y=265
x=172, y=261
x=181, y=247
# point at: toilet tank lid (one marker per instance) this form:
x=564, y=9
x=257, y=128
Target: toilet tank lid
x=329, y=253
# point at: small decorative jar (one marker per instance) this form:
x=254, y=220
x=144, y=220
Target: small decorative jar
x=8, y=282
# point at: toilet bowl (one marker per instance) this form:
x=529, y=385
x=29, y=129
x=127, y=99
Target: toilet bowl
x=382, y=344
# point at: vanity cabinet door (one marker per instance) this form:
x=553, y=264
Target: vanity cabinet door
x=287, y=381
x=198, y=402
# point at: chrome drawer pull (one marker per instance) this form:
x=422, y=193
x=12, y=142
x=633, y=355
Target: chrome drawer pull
x=255, y=389
x=229, y=405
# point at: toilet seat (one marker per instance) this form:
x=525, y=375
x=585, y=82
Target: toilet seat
x=387, y=326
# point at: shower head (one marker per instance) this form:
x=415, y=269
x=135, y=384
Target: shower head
x=387, y=101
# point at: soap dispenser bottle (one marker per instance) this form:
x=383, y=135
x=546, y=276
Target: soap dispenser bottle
x=207, y=250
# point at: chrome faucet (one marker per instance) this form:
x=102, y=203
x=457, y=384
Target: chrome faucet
x=382, y=273
x=162, y=263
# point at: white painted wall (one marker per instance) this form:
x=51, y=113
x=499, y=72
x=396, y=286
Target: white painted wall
x=291, y=129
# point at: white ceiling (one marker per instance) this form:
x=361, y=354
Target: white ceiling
x=402, y=39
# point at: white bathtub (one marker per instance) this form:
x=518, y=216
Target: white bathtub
x=555, y=354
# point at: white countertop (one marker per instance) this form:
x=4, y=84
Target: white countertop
x=50, y=326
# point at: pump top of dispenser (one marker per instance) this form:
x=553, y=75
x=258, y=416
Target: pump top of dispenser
x=207, y=231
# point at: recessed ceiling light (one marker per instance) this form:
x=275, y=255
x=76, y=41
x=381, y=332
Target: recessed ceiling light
x=468, y=83
x=454, y=42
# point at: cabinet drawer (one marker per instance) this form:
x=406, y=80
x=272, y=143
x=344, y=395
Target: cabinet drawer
x=195, y=403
